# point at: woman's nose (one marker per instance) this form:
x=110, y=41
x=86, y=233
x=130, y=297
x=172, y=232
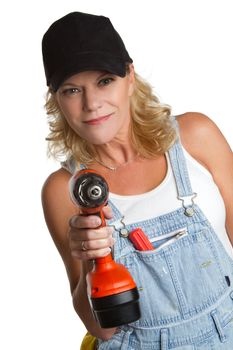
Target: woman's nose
x=91, y=101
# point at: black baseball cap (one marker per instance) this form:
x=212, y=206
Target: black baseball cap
x=79, y=42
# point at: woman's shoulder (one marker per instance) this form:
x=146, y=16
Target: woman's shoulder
x=55, y=189
x=197, y=129
x=195, y=124
x=202, y=138
x=57, y=178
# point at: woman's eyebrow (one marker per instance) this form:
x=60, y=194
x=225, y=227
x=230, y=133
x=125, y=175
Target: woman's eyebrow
x=68, y=84
x=103, y=74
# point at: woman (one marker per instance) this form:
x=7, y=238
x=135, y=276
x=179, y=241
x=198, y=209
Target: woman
x=171, y=177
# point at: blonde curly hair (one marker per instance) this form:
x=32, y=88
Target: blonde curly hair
x=152, y=128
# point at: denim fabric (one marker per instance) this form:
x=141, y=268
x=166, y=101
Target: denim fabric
x=185, y=285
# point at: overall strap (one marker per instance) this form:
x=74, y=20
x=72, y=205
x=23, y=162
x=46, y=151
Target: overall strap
x=180, y=171
x=117, y=216
x=70, y=165
x=181, y=175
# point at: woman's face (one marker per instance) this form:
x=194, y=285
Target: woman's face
x=96, y=105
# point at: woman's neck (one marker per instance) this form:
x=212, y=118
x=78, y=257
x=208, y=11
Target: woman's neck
x=115, y=153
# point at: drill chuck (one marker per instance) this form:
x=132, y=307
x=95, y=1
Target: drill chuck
x=89, y=191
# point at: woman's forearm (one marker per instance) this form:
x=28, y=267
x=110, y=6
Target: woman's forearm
x=83, y=309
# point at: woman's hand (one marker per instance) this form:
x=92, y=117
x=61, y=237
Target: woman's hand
x=86, y=239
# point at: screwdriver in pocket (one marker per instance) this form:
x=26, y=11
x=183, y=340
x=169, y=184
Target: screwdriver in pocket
x=140, y=240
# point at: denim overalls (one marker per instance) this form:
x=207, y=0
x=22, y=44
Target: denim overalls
x=185, y=284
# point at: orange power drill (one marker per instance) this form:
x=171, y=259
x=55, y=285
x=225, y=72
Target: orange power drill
x=112, y=292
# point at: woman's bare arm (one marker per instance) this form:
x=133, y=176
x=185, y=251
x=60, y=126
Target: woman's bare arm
x=205, y=142
x=58, y=211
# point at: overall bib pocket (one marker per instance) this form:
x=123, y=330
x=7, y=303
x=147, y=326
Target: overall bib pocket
x=185, y=275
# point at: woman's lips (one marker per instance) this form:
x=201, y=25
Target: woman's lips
x=98, y=120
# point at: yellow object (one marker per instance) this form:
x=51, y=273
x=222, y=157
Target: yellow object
x=89, y=342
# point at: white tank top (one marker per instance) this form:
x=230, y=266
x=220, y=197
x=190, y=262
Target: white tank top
x=163, y=199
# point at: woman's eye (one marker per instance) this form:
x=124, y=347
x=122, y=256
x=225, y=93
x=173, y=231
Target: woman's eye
x=105, y=81
x=71, y=91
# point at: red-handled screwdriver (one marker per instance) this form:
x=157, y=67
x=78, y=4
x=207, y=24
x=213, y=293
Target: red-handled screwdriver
x=140, y=240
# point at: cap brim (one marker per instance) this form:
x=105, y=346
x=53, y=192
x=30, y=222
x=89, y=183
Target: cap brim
x=89, y=61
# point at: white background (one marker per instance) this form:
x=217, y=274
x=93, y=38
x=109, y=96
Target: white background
x=184, y=48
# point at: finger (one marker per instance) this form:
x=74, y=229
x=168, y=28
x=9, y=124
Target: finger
x=93, y=244
x=107, y=210
x=90, y=254
x=84, y=221
x=91, y=234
